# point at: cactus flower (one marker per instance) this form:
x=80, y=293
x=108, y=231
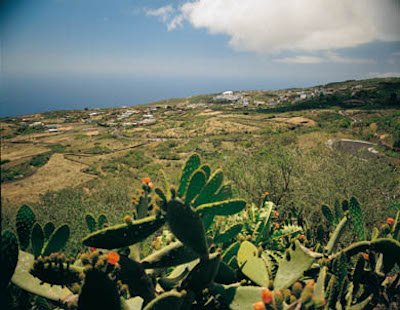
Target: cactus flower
x=276, y=213
x=390, y=221
x=259, y=306
x=113, y=258
x=267, y=296
x=146, y=180
x=276, y=225
x=92, y=249
x=302, y=237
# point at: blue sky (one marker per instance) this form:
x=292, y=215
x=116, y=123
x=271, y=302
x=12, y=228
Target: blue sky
x=62, y=54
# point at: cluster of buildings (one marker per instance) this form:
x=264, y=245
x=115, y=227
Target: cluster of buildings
x=273, y=98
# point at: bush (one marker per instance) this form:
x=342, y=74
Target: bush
x=40, y=159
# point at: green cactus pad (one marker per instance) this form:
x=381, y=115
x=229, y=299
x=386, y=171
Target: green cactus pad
x=196, y=183
x=326, y=211
x=101, y=221
x=169, y=283
x=251, y=265
x=187, y=226
x=231, y=251
x=319, y=288
x=8, y=257
x=23, y=279
x=210, y=188
x=224, y=193
x=98, y=292
x=166, y=301
x=227, y=207
x=48, y=229
x=338, y=232
x=191, y=165
x=290, y=270
x=172, y=255
x=229, y=234
x=37, y=240
x=203, y=274
x=207, y=170
x=139, y=283
x=56, y=273
x=123, y=235
x=57, y=240
x=226, y=274
x=24, y=222
x=90, y=223
x=338, y=211
x=357, y=218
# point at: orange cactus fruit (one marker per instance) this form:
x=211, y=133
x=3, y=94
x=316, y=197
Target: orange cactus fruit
x=259, y=306
x=390, y=221
x=113, y=258
x=146, y=180
x=267, y=296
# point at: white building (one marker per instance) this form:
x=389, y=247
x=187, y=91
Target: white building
x=227, y=93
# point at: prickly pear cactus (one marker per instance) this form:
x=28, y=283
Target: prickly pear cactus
x=187, y=226
x=357, y=218
x=191, y=165
x=56, y=269
x=57, y=240
x=123, y=235
x=296, y=261
x=37, y=240
x=8, y=257
x=98, y=292
x=90, y=222
x=252, y=265
x=209, y=189
x=203, y=274
x=172, y=255
x=48, y=229
x=24, y=221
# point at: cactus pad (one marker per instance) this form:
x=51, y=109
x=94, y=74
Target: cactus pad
x=57, y=240
x=24, y=221
x=252, y=265
x=8, y=257
x=187, y=226
x=123, y=235
x=172, y=255
x=191, y=166
x=227, y=207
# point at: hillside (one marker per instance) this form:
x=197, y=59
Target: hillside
x=299, y=148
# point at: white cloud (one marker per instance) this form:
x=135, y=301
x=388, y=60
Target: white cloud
x=167, y=14
x=267, y=26
x=301, y=59
x=175, y=22
x=164, y=12
x=327, y=57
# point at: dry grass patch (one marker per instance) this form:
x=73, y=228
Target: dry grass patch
x=57, y=174
x=18, y=151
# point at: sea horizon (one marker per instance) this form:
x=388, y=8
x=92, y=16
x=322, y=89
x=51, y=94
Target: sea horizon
x=30, y=95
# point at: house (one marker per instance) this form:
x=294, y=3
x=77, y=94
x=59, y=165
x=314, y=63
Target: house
x=227, y=93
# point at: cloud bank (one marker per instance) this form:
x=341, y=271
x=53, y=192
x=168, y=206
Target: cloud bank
x=270, y=26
